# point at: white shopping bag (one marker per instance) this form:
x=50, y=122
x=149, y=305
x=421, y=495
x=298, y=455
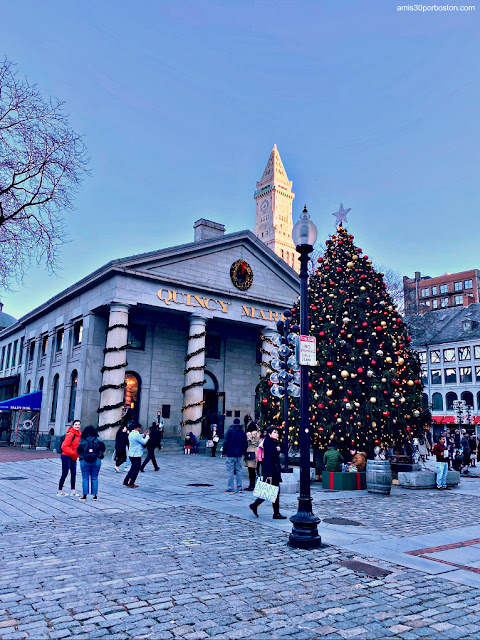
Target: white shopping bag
x=265, y=490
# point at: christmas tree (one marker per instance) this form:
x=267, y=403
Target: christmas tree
x=366, y=388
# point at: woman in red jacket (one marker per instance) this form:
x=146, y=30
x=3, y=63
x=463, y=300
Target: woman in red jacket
x=69, y=457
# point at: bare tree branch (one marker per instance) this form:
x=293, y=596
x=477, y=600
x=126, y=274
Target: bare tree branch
x=42, y=162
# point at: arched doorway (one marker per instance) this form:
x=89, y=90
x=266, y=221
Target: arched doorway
x=210, y=403
x=133, y=384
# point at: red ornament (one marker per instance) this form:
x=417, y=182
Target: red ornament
x=314, y=308
x=339, y=269
x=359, y=341
x=329, y=364
x=320, y=428
x=373, y=362
x=385, y=414
x=310, y=386
x=364, y=324
x=322, y=334
x=265, y=401
x=320, y=406
x=409, y=428
x=319, y=259
x=270, y=383
x=379, y=329
x=360, y=370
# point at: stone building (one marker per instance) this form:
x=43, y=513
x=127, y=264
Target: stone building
x=448, y=344
x=177, y=330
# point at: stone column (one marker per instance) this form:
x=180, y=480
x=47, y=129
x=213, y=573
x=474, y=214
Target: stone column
x=192, y=396
x=114, y=365
x=267, y=332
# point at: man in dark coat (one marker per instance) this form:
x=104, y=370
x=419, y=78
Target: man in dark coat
x=235, y=446
x=152, y=444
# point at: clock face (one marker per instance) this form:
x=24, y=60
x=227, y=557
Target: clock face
x=241, y=274
x=264, y=206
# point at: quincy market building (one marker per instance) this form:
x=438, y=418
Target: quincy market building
x=178, y=330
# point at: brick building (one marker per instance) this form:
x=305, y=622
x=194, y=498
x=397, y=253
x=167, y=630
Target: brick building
x=423, y=293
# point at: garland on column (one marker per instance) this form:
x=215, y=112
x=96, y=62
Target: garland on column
x=115, y=349
x=110, y=424
x=116, y=326
x=107, y=407
x=112, y=386
x=197, y=335
x=115, y=366
x=200, y=383
x=202, y=366
x=194, y=353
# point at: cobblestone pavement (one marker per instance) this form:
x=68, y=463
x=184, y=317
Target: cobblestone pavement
x=173, y=561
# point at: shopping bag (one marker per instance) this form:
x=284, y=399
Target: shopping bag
x=265, y=491
x=209, y=444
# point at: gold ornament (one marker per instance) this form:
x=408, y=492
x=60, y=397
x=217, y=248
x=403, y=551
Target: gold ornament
x=373, y=400
x=400, y=361
x=410, y=383
x=329, y=393
x=344, y=373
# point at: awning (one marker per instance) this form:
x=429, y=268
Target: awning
x=28, y=402
x=451, y=420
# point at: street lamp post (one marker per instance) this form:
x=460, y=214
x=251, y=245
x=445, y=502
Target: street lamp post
x=304, y=531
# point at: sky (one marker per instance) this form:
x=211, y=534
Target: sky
x=181, y=102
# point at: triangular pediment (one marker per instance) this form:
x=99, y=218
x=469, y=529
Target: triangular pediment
x=208, y=265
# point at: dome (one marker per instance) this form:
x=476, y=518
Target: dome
x=5, y=319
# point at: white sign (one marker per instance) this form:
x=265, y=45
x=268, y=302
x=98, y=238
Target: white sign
x=307, y=353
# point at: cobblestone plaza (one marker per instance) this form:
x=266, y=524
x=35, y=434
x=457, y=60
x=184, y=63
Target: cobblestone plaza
x=175, y=560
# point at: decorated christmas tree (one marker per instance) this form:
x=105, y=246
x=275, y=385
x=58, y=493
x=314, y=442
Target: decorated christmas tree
x=366, y=388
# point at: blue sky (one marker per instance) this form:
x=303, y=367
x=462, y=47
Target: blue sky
x=181, y=102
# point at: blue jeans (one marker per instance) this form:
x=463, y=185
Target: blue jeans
x=442, y=468
x=90, y=470
x=234, y=468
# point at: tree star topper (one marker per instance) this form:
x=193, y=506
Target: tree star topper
x=341, y=215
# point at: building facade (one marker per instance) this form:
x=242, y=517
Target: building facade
x=177, y=330
x=448, y=345
x=423, y=293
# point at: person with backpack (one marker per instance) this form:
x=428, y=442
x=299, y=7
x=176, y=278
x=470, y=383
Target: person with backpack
x=69, y=458
x=90, y=450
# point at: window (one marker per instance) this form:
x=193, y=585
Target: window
x=476, y=351
x=449, y=355
x=2, y=358
x=237, y=414
x=14, y=353
x=444, y=302
x=437, y=402
x=282, y=253
x=422, y=356
x=465, y=374
x=434, y=291
x=53, y=412
x=450, y=376
x=166, y=411
x=44, y=346
x=73, y=396
x=213, y=345
x=40, y=384
x=451, y=397
x=464, y=353
x=435, y=356
x=59, y=340
x=435, y=304
x=28, y=387
x=77, y=333
x=31, y=350
x=436, y=376
x=477, y=373
x=444, y=288
x=468, y=397
x=20, y=351
x=458, y=300
x=424, y=377
x=457, y=286
x=468, y=284
x=7, y=360
x=425, y=292
x=136, y=337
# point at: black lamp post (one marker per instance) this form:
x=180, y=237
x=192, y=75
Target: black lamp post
x=304, y=531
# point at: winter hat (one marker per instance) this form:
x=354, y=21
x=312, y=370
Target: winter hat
x=236, y=421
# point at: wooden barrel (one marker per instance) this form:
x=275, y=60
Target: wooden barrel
x=379, y=477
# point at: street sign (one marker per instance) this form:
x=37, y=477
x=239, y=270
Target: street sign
x=307, y=353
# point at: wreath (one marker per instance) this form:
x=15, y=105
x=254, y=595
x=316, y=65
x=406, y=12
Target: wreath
x=241, y=274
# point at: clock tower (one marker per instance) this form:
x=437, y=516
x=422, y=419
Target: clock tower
x=274, y=198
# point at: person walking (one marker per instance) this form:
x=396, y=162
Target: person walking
x=441, y=453
x=136, y=445
x=332, y=458
x=250, y=460
x=234, y=448
x=271, y=471
x=121, y=445
x=90, y=451
x=152, y=444
x=69, y=458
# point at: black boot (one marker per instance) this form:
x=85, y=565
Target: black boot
x=278, y=516
x=254, y=507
